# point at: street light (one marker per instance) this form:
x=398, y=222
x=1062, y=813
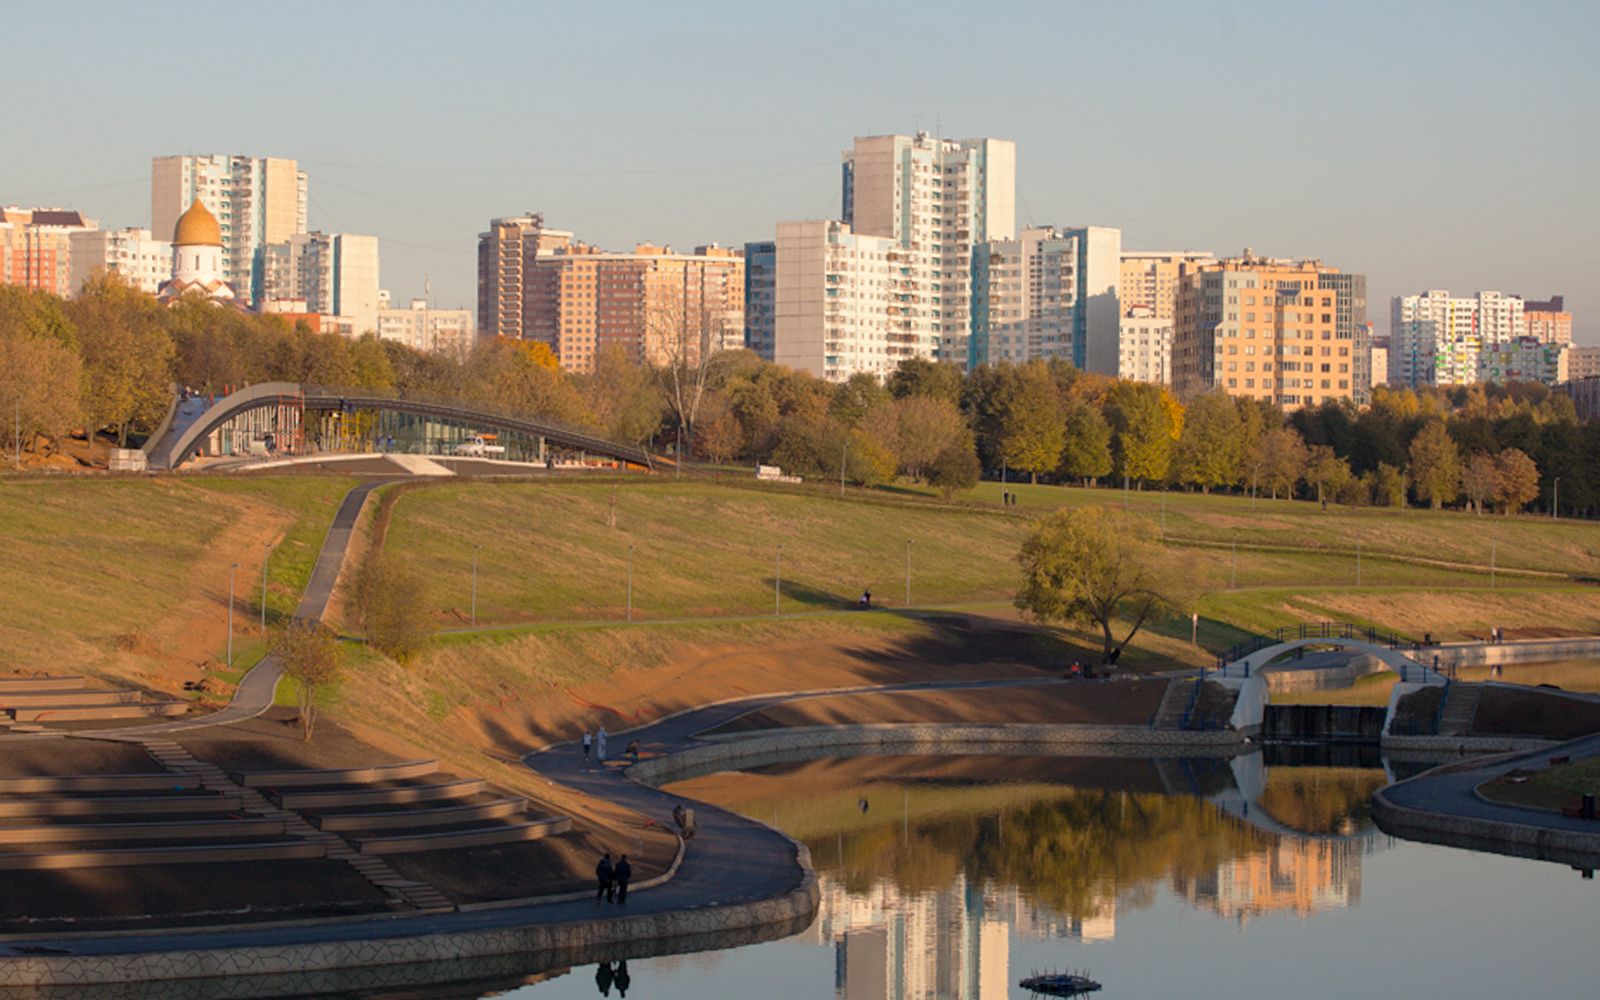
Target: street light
x=475, y=549
x=266, y=554
x=1358, y=564
x=1555, y=500
x=1233, y=572
x=630, y=581
x=777, y=582
x=231, y=570
x=908, y=572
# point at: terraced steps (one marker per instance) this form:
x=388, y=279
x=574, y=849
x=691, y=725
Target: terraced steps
x=187, y=854
x=199, y=829
x=393, y=795
x=19, y=685
x=121, y=805
x=91, y=713
x=305, y=778
x=1174, y=703
x=410, y=819
x=411, y=843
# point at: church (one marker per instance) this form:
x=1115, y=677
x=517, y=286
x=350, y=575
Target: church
x=197, y=258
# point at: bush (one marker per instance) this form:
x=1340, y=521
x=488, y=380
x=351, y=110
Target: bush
x=392, y=602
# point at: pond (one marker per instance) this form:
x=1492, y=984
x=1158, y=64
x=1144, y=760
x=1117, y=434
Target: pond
x=956, y=877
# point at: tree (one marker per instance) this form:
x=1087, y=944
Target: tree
x=1480, y=481
x=1031, y=432
x=1386, y=485
x=857, y=396
x=1435, y=465
x=1327, y=472
x=391, y=599
x=1096, y=566
x=921, y=377
x=126, y=353
x=1519, y=480
x=1210, y=447
x=955, y=468
x=1280, y=456
x=917, y=429
x=867, y=460
x=38, y=386
x=720, y=436
x=683, y=337
x=1141, y=430
x=1086, y=449
x=312, y=658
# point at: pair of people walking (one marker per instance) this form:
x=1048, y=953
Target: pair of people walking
x=612, y=879
x=596, y=743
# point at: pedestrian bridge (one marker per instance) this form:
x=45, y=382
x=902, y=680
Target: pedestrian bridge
x=1387, y=647
x=299, y=419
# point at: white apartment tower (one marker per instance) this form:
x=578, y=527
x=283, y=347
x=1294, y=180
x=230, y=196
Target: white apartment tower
x=937, y=198
x=257, y=201
x=145, y=262
x=845, y=303
x=1050, y=293
x=335, y=274
x=1435, y=339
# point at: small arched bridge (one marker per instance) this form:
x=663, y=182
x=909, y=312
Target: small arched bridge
x=1388, y=647
x=178, y=444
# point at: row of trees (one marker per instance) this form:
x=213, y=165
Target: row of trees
x=105, y=360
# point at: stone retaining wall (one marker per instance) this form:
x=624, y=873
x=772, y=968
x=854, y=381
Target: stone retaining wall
x=1282, y=679
x=774, y=746
x=1574, y=847
x=1467, y=744
x=1525, y=651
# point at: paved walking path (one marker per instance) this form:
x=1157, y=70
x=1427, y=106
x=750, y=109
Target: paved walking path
x=1452, y=792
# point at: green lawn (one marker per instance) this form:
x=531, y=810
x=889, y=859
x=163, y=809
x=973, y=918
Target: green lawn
x=89, y=564
x=1559, y=786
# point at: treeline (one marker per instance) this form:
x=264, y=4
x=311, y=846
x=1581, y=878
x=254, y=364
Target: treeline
x=106, y=359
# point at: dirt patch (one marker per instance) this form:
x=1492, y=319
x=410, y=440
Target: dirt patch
x=1506, y=711
x=30, y=758
x=274, y=742
x=1124, y=703
x=1450, y=615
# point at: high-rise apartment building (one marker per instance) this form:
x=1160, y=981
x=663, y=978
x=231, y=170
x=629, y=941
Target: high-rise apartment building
x=145, y=262
x=1378, y=360
x=1269, y=329
x=501, y=251
x=654, y=304
x=1050, y=293
x=845, y=303
x=937, y=199
x=36, y=247
x=1144, y=347
x=334, y=274
x=257, y=201
x=1435, y=339
x=760, y=287
x=425, y=328
x=1548, y=319
x=1150, y=278
x=1583, y=362
x=1524, y=359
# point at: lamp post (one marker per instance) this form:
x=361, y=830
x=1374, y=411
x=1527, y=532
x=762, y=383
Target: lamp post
x=475, y=549
x=630, y=581
x=777, y=582
x=1233, y=571
x=1493, y=541
x=908, y=572
x=1358, y=564
x=843, y=456
x=1555, y=500
x=231, y=571
x=266, y=554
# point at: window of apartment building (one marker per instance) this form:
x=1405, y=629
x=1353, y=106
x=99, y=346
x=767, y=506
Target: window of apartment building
x=1249, y=383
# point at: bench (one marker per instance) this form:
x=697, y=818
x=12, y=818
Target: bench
x=412, y=818
x=398, y=795
x=336, y=776
x=417, y=842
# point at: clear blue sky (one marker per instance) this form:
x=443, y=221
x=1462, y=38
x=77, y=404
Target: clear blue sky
x=1425, y=144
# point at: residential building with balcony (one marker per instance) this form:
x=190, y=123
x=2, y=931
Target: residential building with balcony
x=1436, y=339
x=334, y=274
x=1548, y=319
x=760, y=287
x=423, y=327
x=1050, y=293
x=257, y=202
x=143, y=261
x=36, y=247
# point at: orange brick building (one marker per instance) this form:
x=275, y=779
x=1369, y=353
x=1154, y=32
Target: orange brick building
x=36, y=247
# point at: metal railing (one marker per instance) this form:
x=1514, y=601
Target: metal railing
x=1311, y=630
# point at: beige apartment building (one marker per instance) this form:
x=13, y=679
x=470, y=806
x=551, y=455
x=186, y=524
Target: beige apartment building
x=1268, y=329
x=657, y=305
x=1150, y=278
x=503, y=254
x=257, y=201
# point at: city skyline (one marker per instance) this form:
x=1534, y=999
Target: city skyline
x=424, y=160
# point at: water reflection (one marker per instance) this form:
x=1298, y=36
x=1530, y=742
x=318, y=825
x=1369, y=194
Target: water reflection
x=930, y=869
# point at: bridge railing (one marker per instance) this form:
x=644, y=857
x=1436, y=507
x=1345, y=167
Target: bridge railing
x=1311, y=630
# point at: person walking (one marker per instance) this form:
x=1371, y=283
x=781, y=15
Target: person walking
x=623, y=980
x=604, y=875
x=600, y=745
x=623, y=873
x=588, y=744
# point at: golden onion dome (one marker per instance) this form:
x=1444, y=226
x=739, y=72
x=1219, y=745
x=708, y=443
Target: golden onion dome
x=197, y=227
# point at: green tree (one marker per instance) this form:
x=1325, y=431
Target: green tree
x=392, y=600
x=955, y=468
x=1031, y=430
x=1210, y=447
x=126, y=354
x=1518, y=480
x=921, y=377
x=1386, y=486
x=867, y=460
x=1435, y=469
x=39, y=369
x=1141, y=430
x=917, y=429
x=311, y=657
x=1096, y=566
x=857, y=396
x=1329, y=473
x=1086, y=449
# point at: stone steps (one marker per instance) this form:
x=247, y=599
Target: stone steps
x=1169, y=715
x=1460, y=708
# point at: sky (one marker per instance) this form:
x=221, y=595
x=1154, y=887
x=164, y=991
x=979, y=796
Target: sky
x=1427, y=145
